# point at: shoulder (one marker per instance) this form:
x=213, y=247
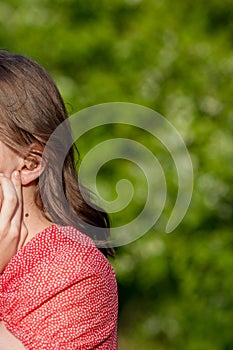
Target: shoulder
x=68, y=295
x=59, y=253
x=79, y=253
x=57, y=259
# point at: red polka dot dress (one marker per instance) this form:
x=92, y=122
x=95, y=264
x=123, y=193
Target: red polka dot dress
x=60, y=292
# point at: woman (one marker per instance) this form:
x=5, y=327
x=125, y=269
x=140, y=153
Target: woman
x=58, y=290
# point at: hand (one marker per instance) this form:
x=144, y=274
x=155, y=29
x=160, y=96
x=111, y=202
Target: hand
x=13, y=231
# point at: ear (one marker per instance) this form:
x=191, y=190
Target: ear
x=33, y=166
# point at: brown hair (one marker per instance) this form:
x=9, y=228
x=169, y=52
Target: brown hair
x=31, y=108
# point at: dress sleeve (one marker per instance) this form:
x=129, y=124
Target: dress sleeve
x=80, y=313
x=82, y=316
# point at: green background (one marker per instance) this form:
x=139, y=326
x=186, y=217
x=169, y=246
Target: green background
x=175, y=290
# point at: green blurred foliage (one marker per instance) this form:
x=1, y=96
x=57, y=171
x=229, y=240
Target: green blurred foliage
x=175, y=57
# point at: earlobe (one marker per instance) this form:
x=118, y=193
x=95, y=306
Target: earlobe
x=29, y=175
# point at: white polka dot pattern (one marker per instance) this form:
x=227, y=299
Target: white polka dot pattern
x=59, y=292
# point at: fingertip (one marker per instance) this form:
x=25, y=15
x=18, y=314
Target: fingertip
x=16, y=175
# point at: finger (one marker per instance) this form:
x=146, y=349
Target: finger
x=1, y=197
x=9, y=200
x=16, y=180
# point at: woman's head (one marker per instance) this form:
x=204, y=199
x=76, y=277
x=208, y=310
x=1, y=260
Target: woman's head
x=31, y=109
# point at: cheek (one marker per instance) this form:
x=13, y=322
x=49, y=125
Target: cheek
x=7, y=167
x=8, y=161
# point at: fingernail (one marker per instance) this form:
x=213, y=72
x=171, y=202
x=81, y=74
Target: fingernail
x=16, y=174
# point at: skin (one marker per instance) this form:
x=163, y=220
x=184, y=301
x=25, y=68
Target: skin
x=17, y=186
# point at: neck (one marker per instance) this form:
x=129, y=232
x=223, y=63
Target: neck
x=33, y=217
